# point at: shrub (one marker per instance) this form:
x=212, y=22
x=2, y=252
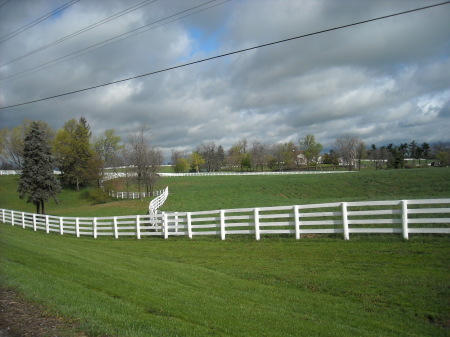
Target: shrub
x=98, y=196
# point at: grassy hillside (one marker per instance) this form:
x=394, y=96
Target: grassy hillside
x=222, y=192
x=373, y=285
x=381, y=286
x=206, y=193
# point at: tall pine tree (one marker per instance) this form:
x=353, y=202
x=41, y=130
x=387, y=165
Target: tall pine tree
x=37, y=180
x=74, y=154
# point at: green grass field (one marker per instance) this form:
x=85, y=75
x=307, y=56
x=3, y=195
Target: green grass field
x=373, y=285
x=224, y=192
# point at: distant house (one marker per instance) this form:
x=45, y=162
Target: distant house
x=301, y=159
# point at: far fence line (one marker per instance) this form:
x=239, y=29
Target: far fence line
x=135, y=195
x=405, y=217
x=115, y=175
x=264, y=173
x=17, y=172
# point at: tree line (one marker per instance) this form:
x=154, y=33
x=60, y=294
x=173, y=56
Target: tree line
x=37, y=150
x=306, y=153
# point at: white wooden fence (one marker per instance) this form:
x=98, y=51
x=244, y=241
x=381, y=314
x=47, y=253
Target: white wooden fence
x=253, y=173
x=159, y=201
x=394, y=216
x=134, y=195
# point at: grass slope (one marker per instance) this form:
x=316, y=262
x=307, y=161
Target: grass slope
x=224, y=192
x=318, y=286
x=221, y=192
x=313, y=287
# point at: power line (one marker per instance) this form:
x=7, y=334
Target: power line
x=114, y=39
x=227, y=54
x=1, y=5
x=99, y=23
x=38, y=20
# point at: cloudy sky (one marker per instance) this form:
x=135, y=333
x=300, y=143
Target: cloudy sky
x=386, y=81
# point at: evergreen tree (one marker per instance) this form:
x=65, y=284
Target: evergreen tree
x=37, y=180
x=74, y=153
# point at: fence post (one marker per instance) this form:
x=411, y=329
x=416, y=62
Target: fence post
x=12, y=218
x=116, y=232
x=176, y=222
x=405, y=219
x=138, y=227
x=222, y=224
x=189, y=224
x=47, y=225
x=345, y=221
x=23, y=220
x=94, y=228
x=257, y=232
x=34, y=222
x=77, y=227
x=297, y=222
x=61, y=226
x=3, y=215
x=166, y=226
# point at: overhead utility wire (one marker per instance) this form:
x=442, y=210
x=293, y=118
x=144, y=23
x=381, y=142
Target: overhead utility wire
x=227, y=54
x=1, y=5
x=114, y=39
x=38, y=20
x=81, y=31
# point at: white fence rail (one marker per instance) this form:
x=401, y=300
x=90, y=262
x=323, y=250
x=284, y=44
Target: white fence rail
x=403, y=217
x=255, y=173
x=159, y=201
x=135, y=195
x=17, y=172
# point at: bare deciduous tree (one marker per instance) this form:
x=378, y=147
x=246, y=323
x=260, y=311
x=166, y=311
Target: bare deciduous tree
x=347, y=148
x=208, y=152
x=258, y=155
x=145, y=159
x=12, y=141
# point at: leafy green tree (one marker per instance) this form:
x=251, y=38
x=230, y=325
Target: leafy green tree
x=246, y=162
x=195, y=161
x=396, y=159
x=310, y=148
x=234, y=157
x=331, y=158
x=283, y=156
x=74, y=154
x=181, y=165
x=37, y=180
x=107, y=146
x=443, y=158
x=361, y=153
x=413, y=153
x=426, y=151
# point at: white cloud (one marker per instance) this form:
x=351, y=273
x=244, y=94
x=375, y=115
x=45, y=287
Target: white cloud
x=118, y=93
x=386, y=81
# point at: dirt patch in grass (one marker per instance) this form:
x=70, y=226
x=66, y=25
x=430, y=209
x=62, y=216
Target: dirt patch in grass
x=19, y=318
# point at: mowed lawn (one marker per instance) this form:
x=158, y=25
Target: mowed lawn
x=369, y=286
x=372, y=285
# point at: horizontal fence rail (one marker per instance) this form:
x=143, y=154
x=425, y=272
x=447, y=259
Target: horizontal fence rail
x=405, y=217
x=254, y=173
x=135, y=195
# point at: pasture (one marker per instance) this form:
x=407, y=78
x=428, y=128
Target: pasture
x=373, y=285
